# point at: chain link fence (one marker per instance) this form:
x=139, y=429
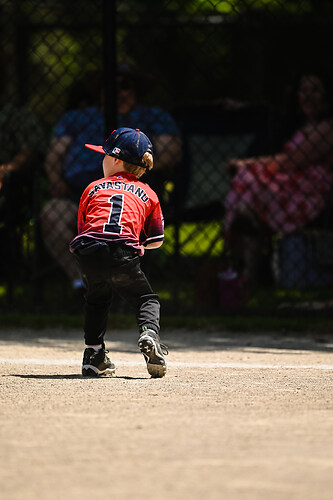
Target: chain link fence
x=236, y=98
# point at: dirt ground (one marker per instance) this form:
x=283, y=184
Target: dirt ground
x=237, y=417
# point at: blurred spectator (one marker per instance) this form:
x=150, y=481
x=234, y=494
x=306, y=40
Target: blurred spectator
x=22, y=142
x=70, y=166
x=285, y=191
x=158, y=124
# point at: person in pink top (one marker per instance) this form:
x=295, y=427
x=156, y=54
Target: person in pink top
x=283, y=192
x=119, y=218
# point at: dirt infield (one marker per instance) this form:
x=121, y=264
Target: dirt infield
x=238, y=416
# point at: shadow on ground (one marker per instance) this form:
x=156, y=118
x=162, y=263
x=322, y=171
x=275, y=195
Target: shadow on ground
x=207, y=340
x=69, y=377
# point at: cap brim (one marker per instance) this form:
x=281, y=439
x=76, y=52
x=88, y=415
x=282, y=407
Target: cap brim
x=99, y=149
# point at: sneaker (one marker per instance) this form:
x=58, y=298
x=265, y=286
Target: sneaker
x=153, y=352
x=96, y=363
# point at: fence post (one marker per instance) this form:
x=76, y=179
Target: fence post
x=110, y=64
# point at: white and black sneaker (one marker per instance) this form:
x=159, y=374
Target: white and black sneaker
x=153, y=352
x=96, y=363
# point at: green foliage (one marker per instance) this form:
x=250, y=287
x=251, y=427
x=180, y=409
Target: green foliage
x=208, y=7
x=62, y=56
x=65, y=39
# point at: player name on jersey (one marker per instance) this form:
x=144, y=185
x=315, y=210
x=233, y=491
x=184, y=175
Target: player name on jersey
x=121, y=186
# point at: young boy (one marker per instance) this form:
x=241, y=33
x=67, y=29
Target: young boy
x=118, y=217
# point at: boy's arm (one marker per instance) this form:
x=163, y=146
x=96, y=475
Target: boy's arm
x=81, y=216
x=153, y=244
x=153, y=235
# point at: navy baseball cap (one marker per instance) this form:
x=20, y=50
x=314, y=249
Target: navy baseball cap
x=127, y=144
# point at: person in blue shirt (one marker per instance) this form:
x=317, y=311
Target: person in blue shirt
x=70, y=167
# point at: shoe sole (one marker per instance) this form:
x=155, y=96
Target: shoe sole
x=155, y=362
x=93, y=372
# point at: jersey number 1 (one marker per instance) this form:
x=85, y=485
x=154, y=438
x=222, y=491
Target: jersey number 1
x=117, y=203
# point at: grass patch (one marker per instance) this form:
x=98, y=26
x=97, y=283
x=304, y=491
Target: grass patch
x=196, y=239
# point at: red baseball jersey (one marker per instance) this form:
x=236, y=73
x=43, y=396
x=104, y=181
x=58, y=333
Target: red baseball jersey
x=121, y=209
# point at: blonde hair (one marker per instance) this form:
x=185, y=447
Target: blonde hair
x=147, y=160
